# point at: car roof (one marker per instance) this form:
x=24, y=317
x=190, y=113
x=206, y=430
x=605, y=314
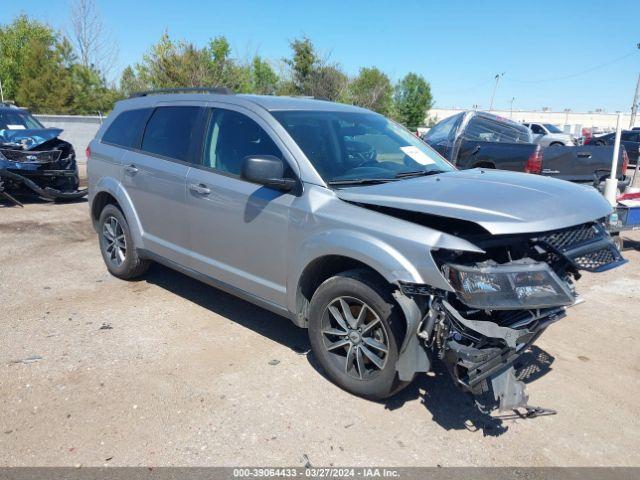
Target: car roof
x=270, y=103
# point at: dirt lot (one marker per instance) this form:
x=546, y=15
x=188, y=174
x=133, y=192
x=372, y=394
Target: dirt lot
x=167, y=371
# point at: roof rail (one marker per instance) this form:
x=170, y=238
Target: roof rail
x=8, y=104
x=218, y=90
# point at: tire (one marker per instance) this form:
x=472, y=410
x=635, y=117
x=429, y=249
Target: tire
x=556, y=144
x=351, y=365
x=618, y=241
x=120, y=257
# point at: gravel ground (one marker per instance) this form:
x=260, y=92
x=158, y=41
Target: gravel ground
x=167, y=371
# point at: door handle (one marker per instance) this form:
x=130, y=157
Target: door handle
x=132, y=169
x=584, y=155
x=199, y=188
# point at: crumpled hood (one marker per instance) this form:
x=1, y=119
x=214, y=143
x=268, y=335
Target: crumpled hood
x=28, y=138
x=501, y=202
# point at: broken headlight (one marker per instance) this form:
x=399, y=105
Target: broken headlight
x=508, y=286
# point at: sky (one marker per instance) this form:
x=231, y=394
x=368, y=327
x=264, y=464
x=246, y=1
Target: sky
x=581, y=55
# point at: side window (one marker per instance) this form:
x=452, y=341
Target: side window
x=441, y=130
x=482, y=129
x=126, y=129
x=231, y=137
x=537, y=129
x=629, y=136
x=171, y=132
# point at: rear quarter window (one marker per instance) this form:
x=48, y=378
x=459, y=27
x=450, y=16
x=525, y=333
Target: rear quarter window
x=126, y=129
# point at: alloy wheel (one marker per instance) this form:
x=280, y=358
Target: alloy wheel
x=115, y=244
x=355, y=337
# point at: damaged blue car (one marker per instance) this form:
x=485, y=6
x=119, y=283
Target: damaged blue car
x=33, y=159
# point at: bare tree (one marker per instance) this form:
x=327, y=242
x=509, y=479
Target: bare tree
x=93, y=40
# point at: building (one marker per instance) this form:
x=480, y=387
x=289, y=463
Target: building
x=569, y=121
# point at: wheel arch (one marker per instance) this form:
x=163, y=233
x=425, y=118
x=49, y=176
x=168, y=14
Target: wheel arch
x=484, y=164
x=335, y=251
x=110, y=191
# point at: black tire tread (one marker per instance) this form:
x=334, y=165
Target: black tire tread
x=394, y=320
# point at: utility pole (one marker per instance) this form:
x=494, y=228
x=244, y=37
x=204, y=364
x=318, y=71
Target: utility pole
x=495, y=87
x=634, y=107
x=1, y=92
x=511, y=112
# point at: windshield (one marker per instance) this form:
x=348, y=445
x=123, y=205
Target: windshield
x=348, y=146
x=18, y=120
x=552, y=128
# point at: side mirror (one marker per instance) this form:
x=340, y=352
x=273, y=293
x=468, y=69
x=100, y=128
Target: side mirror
x=266, y=170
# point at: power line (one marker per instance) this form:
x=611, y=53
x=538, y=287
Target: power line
x=576, y=74
x=466, y=89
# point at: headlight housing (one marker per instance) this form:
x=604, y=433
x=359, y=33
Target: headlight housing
x=508, y=287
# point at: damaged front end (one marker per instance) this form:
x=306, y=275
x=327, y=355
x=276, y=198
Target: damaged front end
x=503, y=300
x=37, y=161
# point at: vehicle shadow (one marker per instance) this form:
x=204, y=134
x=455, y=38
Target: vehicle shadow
x=261, y=321
x=453, y=409
x=630, y=244
x=450, y=407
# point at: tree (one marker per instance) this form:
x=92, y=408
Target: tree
x=372, y=89
x=173, y=64
x=45, y=85
x=16, y=40
x=304, y=62
x=328, y=82
x=93, y=41
x=264, y=80
x=412, y=100
x=312, y=75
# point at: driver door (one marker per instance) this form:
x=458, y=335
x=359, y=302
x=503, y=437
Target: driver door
x=238, y=230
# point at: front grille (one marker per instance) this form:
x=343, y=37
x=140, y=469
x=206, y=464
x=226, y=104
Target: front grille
x=571, y=237
x=595, y=260
x=27, y=156
x=586, y=246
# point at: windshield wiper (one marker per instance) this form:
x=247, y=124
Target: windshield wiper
x=418, y=173
x=361, y=181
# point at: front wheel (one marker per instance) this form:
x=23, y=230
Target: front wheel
x=356, y=330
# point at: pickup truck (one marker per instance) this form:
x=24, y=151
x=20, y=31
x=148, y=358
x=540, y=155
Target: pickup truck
x=474, y=139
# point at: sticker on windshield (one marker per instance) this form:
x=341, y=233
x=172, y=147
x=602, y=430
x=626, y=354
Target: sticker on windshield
x=15, y=127
x=418, y=155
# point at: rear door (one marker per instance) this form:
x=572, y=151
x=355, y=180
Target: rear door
x=239, y=230
x=488, y=142
x=155, y=178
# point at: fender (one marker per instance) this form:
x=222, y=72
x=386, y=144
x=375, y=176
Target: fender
x=389, y=263
x=113, y=187
x=381, y=257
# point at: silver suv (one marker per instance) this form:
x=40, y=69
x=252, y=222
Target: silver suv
x=349, y=225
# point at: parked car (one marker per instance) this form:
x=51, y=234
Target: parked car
x=349, y=225
x=548, y=135
x=630, y=139
x=478, y=139
x=33, y=158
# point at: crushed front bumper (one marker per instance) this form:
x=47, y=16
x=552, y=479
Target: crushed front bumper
x=55, y=180
x=474, y=366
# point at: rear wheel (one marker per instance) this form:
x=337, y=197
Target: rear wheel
x=355, y=330
x=557, y=144
x=116, y=245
